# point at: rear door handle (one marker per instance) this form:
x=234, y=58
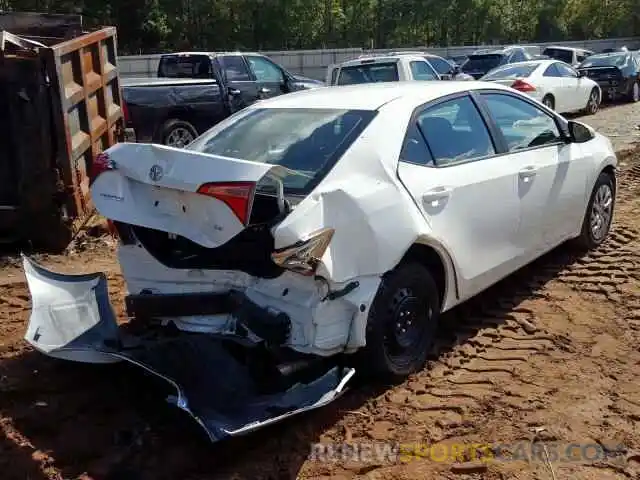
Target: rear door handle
x=234, y=91
x=528, y=173
x=264, y=90
x=436, y=194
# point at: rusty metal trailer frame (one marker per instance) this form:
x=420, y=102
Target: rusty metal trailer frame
x=85, y=117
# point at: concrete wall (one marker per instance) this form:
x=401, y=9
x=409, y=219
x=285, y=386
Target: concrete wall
x=314, y=63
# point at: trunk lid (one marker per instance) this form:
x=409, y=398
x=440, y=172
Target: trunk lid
x=205, y=198
x=600, y=74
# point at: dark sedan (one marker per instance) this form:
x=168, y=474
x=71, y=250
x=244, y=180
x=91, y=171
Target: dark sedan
x=617, y=73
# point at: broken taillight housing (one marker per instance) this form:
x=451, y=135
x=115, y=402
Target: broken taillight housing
x=238, y=196
x=523, y=86
x=101, y=163
x=304, y=256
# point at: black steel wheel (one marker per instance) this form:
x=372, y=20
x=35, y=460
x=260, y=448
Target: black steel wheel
x=402, y=323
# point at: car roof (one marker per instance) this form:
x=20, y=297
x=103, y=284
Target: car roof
x=368, y=60
x=372, y=96
x=561, y=47
x=209, y=54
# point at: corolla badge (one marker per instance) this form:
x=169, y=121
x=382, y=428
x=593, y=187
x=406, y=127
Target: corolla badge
x=156, y=173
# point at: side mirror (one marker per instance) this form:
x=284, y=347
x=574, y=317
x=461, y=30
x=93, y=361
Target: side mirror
x=581, y=74
x=579, y=132
x=456, y=69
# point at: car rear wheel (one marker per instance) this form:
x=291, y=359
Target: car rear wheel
x=593, y=104
x=548, y=102
x=177, y=133
x=402, y=323
x=599, y=215
x=635, y=92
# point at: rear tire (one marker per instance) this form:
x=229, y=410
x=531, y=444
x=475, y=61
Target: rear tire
x=549, y=102
x=599, y=215
x=177, y=133
x=402, y=324
x=593, y=104
x=634, y=95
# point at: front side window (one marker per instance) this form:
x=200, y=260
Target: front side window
x=422, y=71
x=522, y=124
x=265, y=70
x=455, y=131
x=440, y=65
x=307, y=142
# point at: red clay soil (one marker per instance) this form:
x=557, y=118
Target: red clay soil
x=549, y=355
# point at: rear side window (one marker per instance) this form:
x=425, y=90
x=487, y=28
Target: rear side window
x=235, y=68
x=552, y=71
x=559, y=54
x=522, y=124
x=334, y=76
x=308, y=142
x=511, y=71
x=422, y=71
x=455, y=131
x=482, y=63
x=368, y=73
x=185, y=66
x=415, y=149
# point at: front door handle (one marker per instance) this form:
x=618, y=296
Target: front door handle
x=436, y=194
x=264, y=90
x=234, y=92
x=527, y=173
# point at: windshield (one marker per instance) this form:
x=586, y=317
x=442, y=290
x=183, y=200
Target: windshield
x=559, y=54
x=185, y=66
x=613, y=60
x=307, y=142
x=482, y=63
x=368, y=73
x=520, y=70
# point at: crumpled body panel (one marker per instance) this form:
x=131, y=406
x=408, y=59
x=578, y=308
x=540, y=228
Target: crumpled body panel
x=73, y=320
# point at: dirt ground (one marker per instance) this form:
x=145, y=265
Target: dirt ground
x=550, y=354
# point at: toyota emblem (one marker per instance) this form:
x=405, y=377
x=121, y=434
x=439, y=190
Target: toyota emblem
x=155, y=173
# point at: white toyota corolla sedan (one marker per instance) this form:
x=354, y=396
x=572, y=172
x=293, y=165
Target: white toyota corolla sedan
x=329, y=221
x=556, y=84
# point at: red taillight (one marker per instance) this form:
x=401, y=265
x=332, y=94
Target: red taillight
x=523, y=86
x=237, y=195
x=101, y=163
x=125, y=112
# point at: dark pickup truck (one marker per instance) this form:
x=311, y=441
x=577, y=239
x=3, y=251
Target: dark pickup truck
x=194, y=91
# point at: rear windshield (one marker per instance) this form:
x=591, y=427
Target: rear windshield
x=610, y=60
x=308, y=142
x=559, y=54
x=185, y=66
x=512, y=71
x=482, y=63
x=368, y=73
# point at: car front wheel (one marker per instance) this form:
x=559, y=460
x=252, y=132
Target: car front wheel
x=402, y=323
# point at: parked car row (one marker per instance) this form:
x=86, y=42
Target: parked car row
x=195, y=90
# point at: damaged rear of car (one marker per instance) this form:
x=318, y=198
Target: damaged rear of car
x=252, y=257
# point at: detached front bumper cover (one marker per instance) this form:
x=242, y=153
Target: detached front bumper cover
x=72, y=319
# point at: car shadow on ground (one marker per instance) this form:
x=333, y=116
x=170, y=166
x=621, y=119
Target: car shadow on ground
x=111, y=423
